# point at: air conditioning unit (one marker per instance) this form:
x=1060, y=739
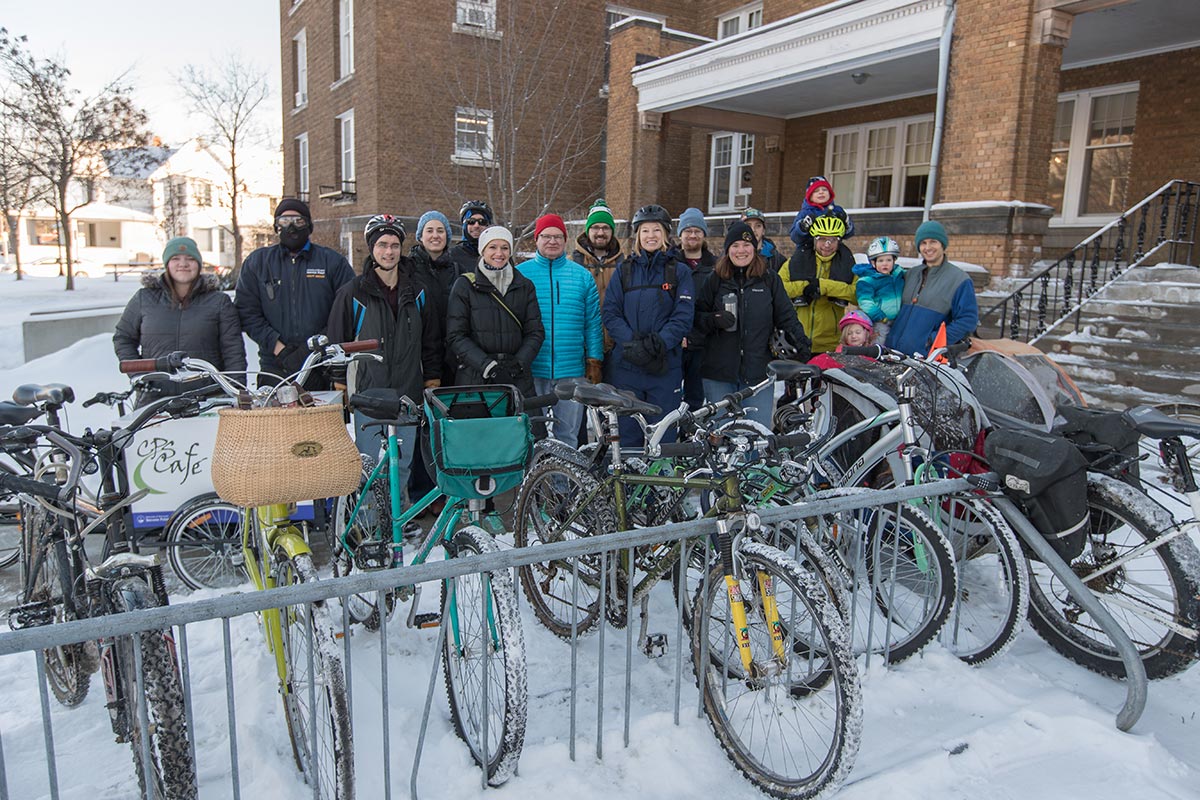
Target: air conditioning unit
x=741, y=200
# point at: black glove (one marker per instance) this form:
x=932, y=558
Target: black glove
x=635, y=352
x=802, y=346
x=724, y=320
x=290, y=359
x=657, y=349
x=508, y=369
x=806, y=222
x=812, y=291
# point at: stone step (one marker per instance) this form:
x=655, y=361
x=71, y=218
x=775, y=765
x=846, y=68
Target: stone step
x=1166, y=331
x=1115, y=380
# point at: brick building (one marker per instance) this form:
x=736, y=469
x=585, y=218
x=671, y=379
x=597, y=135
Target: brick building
x=1058, y=114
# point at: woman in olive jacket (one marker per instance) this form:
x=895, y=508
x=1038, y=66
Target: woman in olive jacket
x=493, y=325
x=181, y=309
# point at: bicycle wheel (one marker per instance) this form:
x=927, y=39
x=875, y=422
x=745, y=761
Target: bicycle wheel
x=793, y=724
x=485, y=647
x=308, y=633
x=1151, y=594
x=204, y=543
x=10, y=533
x=171, y=765
x=371, y=524
x=548, y=511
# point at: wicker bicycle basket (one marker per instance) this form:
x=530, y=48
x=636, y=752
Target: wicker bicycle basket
x=283, y=455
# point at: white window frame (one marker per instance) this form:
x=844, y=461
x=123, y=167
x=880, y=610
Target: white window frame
x=302, y=164
x=899, y=167
x=1077, y=150
x=475, y=16
x=300, y=48
x=346, y=164
x=748, y=17
x=742, y=146
x=345, y=38
x=473, y=157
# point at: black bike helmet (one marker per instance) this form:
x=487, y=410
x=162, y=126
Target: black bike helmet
x=475, y=206
x=380, y=224
x=652, y=213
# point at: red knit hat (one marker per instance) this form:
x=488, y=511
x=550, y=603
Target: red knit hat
x=548, y=221
x=817, y=183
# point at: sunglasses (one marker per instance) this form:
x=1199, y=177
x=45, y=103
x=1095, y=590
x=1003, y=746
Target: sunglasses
x=299, y=223
x=477, y=221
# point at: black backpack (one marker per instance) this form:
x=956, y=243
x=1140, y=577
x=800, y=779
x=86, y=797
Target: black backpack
x=671, y=286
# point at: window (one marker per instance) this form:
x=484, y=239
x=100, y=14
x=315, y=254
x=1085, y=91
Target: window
x=202, y=191
x=729, y=177
x=880, y=165
x=300, y=58
x=480, y=14
x=743, y=19
x=345, y=38
x=1090, y=152
x=345, y=131
x=302, y=166
x=43, y=231
x=204, y=239
x=473, y=135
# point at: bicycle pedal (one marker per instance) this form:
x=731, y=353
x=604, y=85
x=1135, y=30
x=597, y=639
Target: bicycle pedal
x=373, y=555
x=427, y=620
x=655, y=645
x=30, y=615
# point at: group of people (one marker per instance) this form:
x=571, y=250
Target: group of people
x=665, y=318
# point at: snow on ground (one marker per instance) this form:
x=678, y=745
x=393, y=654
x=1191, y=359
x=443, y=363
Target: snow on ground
x=1029, y=725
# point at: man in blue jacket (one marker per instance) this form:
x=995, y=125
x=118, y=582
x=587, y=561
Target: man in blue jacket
x=285, y=293
x=570, y=305
x=935, y=291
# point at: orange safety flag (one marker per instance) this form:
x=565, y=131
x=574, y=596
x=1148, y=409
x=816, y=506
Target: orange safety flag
x=939, y=341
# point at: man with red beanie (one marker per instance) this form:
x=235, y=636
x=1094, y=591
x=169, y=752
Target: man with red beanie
x=818, y=200
x=570, y=305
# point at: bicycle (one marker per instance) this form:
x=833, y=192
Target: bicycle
x=145, y=704
x=769, y=650
x=274, y=553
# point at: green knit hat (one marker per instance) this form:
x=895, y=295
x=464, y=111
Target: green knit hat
x=181, y=245
x=932, y=229
x=599, y=212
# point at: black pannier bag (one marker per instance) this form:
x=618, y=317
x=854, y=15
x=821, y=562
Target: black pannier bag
x=1047, y=476
x=1109, y=443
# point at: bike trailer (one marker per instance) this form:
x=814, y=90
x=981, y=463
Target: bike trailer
x=1047, y=476
x=479, y=442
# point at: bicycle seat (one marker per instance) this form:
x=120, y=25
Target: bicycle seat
x=1149, y=421
x=28, y=394
x=784, y=370
x=13, y=414
x=604, y=395
x=565, y=388
x=377, y=403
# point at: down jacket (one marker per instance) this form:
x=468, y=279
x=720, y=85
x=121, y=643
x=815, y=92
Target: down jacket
x=879, y=296
x=835, y=291
x=647, y=308
x=570, y=306
x=438, y=275
x=479, y=328
x=205, y=326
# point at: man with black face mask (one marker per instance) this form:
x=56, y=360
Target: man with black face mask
x=285, y=293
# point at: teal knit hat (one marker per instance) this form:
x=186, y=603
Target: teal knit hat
x=932, y=229
x=181, y=245
x=599, y=212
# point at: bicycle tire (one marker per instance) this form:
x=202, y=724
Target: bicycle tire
x=204, y=543
x=10, y=515
x=331, y=768
x=481, y=648
x=172, y=766
x=373, y=523
x=1121, y=519
x=816, y=694
x=547, y=498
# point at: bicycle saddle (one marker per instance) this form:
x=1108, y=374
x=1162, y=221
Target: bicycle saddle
x=565, y=388
x=13, y=414
x=1149, y=421
x=28, y=394
x=603, y=395
x=784, y=370
x=377, y=403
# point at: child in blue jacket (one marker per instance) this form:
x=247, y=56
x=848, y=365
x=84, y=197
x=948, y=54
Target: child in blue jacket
x=818, y=200
x=880, y=284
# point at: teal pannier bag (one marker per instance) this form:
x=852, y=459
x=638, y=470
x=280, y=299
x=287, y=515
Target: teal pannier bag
x=479, y=441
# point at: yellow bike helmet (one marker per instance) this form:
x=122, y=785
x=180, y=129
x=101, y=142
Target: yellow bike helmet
x=827, y=225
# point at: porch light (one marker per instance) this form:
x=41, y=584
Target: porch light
x=859, y=77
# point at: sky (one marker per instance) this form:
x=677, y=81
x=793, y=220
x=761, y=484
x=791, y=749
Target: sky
x=152, y=41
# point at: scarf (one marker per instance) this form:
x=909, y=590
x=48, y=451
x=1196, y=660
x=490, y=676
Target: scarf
x=500, y=278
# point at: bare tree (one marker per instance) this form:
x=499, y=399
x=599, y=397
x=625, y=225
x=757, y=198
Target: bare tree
x=534, y=116
x=67, y=133
x=20, y=186
x=227, y=97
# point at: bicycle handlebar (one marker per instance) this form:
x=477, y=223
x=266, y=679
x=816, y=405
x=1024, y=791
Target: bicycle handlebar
x=365, y=346
x=30, y=486
x=539, y=401
x=682, y=449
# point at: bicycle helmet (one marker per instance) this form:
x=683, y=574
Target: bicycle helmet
x=380, y=224
x=652, y=213
x=476, y=207
x=883, y=246
x=827, y=225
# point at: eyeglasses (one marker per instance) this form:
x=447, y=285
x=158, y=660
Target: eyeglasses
x=477, y=221
x=552, y=237
x=299, y=223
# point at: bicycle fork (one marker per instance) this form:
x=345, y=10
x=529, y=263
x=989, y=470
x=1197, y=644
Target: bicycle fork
x=726, y=538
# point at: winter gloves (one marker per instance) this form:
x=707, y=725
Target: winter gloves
x=648, y=351
x=595, y=370
x=724, y=320
x=812, y=290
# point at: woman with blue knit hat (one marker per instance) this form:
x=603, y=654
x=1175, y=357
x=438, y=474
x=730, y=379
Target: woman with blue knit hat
x=181, y=309
x=693, y=251
x=935, y=292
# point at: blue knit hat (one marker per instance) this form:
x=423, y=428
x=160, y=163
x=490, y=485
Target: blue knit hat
x=932, y=229
x=429, y=216
x=692, y=218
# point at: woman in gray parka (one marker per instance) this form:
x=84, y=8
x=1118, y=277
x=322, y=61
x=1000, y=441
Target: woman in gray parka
x=181, y=309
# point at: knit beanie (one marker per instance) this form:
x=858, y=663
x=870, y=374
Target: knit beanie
x=543, y=222
x=429, y=216
x=599, y=212
x=691, y=218
x=817, y=183
x=182, y=245
x=932, y=229
x=292, y=204
x=740, y=232
x=856, y=318
x=493, y=233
